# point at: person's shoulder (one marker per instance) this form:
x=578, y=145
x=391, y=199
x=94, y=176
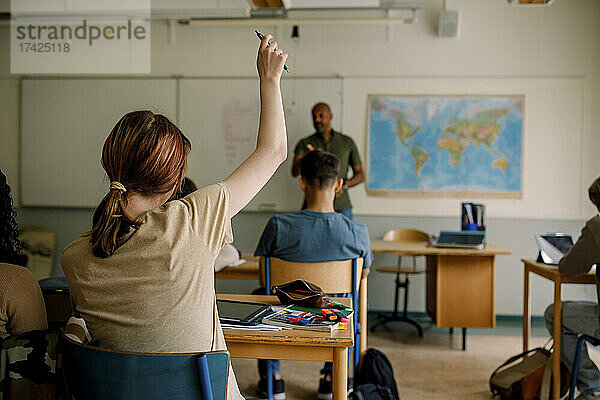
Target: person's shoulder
x=359, y=226
x=208, y=191
x=593, y=224
x=594, y=221
x=76, y=250
x=285, y=218
x=197, y=198
x=308, y=138
x=15, y=273
x=345, y=137
x=12, y=270
x=77, y=245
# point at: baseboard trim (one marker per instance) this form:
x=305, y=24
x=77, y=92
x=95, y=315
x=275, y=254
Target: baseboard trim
x=418, y=315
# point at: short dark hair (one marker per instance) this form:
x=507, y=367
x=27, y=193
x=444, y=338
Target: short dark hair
x=319, y=169
x=594, y=193
x=319, y=105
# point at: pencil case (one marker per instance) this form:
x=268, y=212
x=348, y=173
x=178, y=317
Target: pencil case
x=303, y=293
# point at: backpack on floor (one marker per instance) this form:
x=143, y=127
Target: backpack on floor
x=375, y=378
x=368, y=391
x=527, y=376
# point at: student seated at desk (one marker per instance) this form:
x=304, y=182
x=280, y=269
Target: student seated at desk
x=143, y=278
x=22, y=307
x=581, y=316
x=314, y=234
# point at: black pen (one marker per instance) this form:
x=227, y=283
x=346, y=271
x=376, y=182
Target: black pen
x=260, y=36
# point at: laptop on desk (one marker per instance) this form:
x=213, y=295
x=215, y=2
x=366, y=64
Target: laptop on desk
x=242, y=312
x=461, y=239
x=553, y=246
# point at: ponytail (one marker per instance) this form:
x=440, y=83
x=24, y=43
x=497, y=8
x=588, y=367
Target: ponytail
x=148, y=154
x=110, y=223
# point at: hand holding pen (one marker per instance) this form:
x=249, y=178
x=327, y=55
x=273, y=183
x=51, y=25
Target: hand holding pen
x=270, y=60
x=274, y=48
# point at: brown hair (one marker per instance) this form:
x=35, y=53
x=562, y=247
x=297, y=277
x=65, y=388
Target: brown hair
x=147, y=154
x=594, y=193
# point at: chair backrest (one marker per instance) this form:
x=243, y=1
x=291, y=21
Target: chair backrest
x=405, y=235
x=97, y=374
x=331, y=276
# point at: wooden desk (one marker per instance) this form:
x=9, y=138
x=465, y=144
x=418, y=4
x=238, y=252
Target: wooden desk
x=549, y=272
x=459, y=282
x=245, y=271
x=293, y=344
x=249, y=271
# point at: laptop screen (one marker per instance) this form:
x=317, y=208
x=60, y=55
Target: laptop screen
x=239, y=311
x=465, y=238
x=561, y=242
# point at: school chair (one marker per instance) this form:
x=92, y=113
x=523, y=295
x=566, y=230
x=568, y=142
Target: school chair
x=581, y=339
x=402, y=235
x=93, y=373
x=333, y=277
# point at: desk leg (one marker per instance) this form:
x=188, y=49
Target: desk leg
x=340, y=373
x=526, y=308
x=556, y=334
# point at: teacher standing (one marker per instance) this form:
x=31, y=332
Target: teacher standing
x=342, y=146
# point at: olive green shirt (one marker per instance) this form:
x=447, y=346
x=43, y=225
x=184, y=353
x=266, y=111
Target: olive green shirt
x=344, y=148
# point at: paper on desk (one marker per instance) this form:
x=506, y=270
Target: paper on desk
x=236, y=263
x=259, y=327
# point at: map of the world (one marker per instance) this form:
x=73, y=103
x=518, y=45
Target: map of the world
x=445, y=144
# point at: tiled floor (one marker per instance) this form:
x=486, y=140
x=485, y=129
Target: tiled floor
x=432, y=367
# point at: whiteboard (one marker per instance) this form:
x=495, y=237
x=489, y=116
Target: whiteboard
x=64, y=123
x=220, y=117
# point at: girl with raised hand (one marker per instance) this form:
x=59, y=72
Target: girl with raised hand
x=143, y=277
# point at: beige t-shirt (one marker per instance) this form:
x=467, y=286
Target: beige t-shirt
x=22, y=307
x=156, y=293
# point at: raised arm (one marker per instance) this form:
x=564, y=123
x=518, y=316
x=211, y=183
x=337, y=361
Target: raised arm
x=271, y=144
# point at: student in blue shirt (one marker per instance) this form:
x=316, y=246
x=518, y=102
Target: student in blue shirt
x=314, y=234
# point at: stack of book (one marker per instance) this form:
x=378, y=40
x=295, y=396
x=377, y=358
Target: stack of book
x=308, y=318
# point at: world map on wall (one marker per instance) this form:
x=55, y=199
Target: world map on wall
x=451, y=144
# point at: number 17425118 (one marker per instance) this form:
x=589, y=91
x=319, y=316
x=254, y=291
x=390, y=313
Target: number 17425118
x=44, y=47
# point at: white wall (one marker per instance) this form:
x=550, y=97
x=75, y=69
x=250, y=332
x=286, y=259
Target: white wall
x=497, y=41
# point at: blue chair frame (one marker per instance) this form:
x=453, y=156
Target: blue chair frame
x=581, y=339
x=355, y=352
x=94, y=373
